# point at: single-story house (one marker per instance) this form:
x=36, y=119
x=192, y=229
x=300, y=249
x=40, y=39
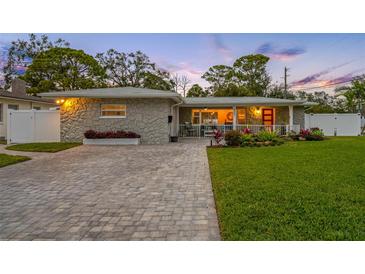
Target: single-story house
x=17, y=99
x=156, y=115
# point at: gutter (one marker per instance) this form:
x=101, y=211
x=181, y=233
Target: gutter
x=27, y=100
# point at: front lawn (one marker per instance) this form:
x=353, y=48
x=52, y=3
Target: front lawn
x=298, y=191
x=42, y=147
x=6, y=159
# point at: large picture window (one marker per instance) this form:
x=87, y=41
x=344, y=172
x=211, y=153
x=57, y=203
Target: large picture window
x=113, y=110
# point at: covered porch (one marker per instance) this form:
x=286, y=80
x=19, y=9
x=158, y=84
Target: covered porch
x=201, y=121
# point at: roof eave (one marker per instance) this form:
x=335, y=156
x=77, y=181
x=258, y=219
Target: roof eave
x=176, y=97
x=27, y=100
x=241, y=104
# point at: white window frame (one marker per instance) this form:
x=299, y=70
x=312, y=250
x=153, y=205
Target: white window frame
x=113, y=117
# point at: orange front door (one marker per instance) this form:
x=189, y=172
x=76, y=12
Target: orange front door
x=268, y=116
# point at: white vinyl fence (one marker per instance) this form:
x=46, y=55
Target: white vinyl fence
x=333, y=124
x=28, y=126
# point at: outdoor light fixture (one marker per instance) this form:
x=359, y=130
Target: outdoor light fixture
x=257, y=111
x=60, y=101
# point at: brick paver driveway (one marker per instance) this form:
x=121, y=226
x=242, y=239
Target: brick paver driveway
x=110, y=193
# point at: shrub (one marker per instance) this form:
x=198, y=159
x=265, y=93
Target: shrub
x=246, y=131
x=233, y=138
x=264, y=135
x=246, y=139
x=92, y=134
x=313, y=134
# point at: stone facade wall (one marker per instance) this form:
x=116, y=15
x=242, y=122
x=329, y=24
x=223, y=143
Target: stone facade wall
x=298, y=116
x=147, y=117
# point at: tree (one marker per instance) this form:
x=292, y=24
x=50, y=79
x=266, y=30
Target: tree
x=63, y=69
x=354, y=94
x=219, y=76
x=247, y=77
x=180, y=83
x=278, y=91
x=21, y=53
x=326, y=102
x=250, y=71
x=133, y=69
x=184, y=83
x=157, y=81
x=232, y=90
x=197, y=91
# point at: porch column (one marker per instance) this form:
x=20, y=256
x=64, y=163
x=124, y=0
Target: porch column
x=234, y=117
x=291, y=119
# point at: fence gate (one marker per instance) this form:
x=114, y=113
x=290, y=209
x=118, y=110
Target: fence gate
x=333, y=124
x=28, y=126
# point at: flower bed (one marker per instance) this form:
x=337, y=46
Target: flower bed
x=92, y=134
x=119, y=137
x=313, y=134
x=246, y=138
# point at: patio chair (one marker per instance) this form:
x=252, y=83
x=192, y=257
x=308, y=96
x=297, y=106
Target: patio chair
x=189, y=129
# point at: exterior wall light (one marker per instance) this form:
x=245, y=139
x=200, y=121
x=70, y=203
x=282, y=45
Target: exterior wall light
x=60, y=101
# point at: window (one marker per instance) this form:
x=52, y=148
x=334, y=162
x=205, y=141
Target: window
x=113, y=110
x=196, y=115
x=13, y=107
x=37, y=108
x=1, y=113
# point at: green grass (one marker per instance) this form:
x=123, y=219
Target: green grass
x=42, y=147
x=6, y=159
x=297, y=191
x=2, y=142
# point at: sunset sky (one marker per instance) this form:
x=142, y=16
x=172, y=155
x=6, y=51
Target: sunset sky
x=314, y=60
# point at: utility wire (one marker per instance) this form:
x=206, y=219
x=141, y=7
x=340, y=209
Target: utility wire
x=328, y=85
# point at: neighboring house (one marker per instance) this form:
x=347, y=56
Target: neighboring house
x=156, y=115
x=17, y=99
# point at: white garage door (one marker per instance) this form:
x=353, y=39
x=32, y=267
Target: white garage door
x=334, y=124
x=28, y=126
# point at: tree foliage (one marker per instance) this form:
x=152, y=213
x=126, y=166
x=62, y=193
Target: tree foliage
x=247, y=77
x=197, y=91
x=278, y=91
x=250, y=72
x=63, y=69
x=21, y=53
x=354, y=94
x=219, y=77
x=133, y=69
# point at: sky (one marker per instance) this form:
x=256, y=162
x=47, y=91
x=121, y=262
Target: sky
x=315, y=61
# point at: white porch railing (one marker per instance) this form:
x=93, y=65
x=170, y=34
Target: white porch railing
x=187, y=130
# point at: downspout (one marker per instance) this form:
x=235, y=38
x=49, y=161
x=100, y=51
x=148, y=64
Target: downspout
x=171, y=112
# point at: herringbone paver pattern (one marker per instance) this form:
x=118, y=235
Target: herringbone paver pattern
x=110, y=193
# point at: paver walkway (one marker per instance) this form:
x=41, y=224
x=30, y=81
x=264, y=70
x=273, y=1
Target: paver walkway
x=160, y=192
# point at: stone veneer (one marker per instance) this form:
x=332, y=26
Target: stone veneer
x=298, y=116
x=147, y=117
